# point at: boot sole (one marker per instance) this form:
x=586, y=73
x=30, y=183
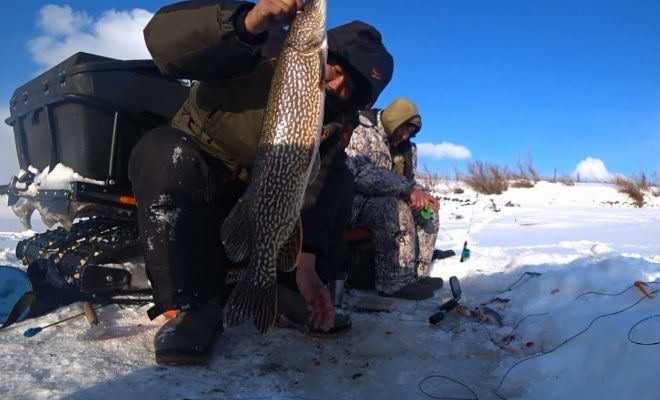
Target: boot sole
x=436, y=286
x=177, y=358
x=187, y=357
x=416, y=298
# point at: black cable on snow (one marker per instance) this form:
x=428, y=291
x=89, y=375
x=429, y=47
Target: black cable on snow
x=634, y=326
x=569, y=339
x=446, y=398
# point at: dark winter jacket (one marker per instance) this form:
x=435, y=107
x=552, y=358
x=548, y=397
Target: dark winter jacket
x=207, y=42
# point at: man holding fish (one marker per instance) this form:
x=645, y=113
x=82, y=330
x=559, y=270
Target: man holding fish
x=237, y=176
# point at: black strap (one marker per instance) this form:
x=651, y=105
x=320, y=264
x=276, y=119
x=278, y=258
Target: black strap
x=155, y=311
x=21, y=305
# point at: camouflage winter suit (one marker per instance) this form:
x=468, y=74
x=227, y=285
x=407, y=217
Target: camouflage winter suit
x=403, y=241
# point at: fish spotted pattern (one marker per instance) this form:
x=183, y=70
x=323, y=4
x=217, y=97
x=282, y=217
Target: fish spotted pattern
x=264, y=226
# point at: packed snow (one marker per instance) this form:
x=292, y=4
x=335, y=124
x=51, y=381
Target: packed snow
x=60, y=177
x=558, y=263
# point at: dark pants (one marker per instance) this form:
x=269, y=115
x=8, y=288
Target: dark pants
x=183, y=195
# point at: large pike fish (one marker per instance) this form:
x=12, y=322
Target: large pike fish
x=264, y=225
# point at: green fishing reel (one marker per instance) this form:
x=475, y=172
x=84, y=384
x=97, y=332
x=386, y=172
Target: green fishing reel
x=427, y=213
x=465, y=254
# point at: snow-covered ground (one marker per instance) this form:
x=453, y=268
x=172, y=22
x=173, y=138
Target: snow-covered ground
x=579, y=330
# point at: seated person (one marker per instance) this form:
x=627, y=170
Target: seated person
x=189, y=175
x=389, y=201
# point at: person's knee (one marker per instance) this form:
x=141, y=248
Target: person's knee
x=387, y=203
x=163, y=145
x=390, y=206
x=164, y=154
x=377, y=208
x=402, y=206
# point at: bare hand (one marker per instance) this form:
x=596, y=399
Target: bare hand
x=317, y=297
x=269, y=14
x=420, y=200
x=434, y=202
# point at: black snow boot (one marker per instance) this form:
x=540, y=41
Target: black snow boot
x=187, y=339
x=412, y=291
x=435, y=283
x=440, y=254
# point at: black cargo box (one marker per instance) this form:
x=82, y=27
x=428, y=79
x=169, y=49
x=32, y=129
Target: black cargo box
x=88, y=112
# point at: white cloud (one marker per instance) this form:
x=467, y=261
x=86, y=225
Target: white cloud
x=116, y=34
x=61, y=21
x=442, y=150
x=591, y=170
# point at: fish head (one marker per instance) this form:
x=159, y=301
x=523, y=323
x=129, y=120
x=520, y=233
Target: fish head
x=307, y=32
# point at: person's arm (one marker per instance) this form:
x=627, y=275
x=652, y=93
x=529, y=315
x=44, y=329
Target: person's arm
x=419, y=197
x=215, y=40
x=321, y=214
x=316, y=295
x=370, y=179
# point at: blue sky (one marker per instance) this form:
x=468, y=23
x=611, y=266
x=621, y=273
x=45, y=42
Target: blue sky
x=566, y=83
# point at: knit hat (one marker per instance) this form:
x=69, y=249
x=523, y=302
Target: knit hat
x=398, y=112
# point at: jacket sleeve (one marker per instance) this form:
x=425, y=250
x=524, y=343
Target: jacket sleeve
x=418, y=184
x=203, y=40
x=363, y=161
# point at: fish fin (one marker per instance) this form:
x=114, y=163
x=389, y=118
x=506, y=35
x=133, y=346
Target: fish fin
x=323, y=59
x=289, y=254
x=265, y=308
x=248, y=301
x=235, y=231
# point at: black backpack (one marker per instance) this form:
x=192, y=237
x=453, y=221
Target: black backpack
x=35, y=292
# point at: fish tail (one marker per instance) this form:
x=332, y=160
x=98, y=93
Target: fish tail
x=265, y=308
x=247, y=302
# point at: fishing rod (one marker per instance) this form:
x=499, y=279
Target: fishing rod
x=465, y=253
x=88, y=311
x=33, y=331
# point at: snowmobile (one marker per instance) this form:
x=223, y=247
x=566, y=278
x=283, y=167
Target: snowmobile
x=74, y=127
